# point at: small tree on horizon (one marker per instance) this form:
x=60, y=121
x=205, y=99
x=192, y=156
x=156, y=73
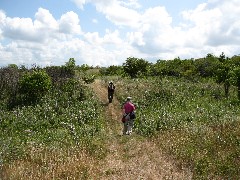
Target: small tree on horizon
x=135, y=67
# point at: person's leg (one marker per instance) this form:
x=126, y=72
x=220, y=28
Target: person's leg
x=126, y=124
x=130, y=126
x=110, y=96
x=125, y=127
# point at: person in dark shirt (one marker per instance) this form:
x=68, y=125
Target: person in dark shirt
x=111, y=89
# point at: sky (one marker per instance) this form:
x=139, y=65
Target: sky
x=107, y=32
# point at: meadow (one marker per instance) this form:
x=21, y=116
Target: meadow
x=192, y=121
x=63, y=134
x=45, y=139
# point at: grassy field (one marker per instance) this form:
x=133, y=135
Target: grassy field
x=192, y=121
x=63, y=130
x=63, y=135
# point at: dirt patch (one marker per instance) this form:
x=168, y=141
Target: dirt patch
x=132, y=157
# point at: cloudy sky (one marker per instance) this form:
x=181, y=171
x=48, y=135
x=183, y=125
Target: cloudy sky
x=107, y=32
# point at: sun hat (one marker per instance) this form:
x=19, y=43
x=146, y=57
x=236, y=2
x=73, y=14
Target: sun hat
x=129, y=98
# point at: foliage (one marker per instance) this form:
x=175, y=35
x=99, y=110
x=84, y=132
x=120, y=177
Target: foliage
x=223, y=73
x=179, y=106
x=235, y=79
x=168, y=68
x=14, y=66
x=70, y=64
x=190, y=120
x=112, y=70
x=58, y=73
x=207, y=66
x=66, y=117
x=83, y=67
x=9, y=78
x=135, y=67
x=34, y=85
x=88, y=78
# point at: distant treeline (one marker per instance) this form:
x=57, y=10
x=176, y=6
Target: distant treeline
x=222, y=69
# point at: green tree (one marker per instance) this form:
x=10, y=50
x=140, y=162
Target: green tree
x=223, y=76
x=135, y=67
x=112, y=70
x=14, y=66
x=84, y=67
x=70, y=67
x=235, y=79
x=71, y=63
x=206, y=67
x=223, y=73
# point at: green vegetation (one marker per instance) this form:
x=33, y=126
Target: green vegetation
x=183, y=106
x=190, y=108
x=65, y=118
x=193, y=122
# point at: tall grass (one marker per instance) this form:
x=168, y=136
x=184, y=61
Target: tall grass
x=193, y=121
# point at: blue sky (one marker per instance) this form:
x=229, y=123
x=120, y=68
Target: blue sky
x=107, y=32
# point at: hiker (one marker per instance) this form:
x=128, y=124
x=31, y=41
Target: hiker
x=128, y=116
x=111, y=89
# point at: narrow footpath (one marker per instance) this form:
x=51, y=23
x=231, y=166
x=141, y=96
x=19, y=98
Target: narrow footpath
x=132, y=157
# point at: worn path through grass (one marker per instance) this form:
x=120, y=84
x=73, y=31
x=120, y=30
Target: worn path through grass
x=132, y=157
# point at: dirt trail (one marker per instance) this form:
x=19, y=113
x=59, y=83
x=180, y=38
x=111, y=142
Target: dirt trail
x=132, y=157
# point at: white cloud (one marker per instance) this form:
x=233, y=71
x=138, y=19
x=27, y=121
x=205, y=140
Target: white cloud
x=116, y=11
x=80, y=3
x=131, y=3
x=69, y=23
x=212, y=27
x=208, y=28
x=45, y=20
x=39, y=41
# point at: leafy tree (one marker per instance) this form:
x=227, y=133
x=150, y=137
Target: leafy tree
x=235, y=61
x=112, y=70
x=168, y=67
x=223, y=76
x=222, y=57
x=206, y=67
x=235, y=79
x=84, y=67
x=223, y=73
x=70, y=67
x=14, y=66
x=135, y=67
x=71, y=63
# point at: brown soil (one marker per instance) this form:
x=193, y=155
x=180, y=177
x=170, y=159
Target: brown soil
x=132, y=157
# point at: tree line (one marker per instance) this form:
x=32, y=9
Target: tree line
x=20, y=85
x=222, y=69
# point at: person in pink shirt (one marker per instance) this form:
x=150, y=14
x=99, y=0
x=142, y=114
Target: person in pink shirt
x=128, y=116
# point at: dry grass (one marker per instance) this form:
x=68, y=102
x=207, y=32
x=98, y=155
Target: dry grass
x=52, y=164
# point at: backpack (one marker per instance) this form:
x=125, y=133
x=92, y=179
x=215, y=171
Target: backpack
x=111, y=87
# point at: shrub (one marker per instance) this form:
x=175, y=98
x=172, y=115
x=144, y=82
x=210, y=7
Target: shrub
x=34, y=85
x=89, y=78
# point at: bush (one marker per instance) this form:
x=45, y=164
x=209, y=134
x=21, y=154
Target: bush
x=88, y=79
x=34, y=85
